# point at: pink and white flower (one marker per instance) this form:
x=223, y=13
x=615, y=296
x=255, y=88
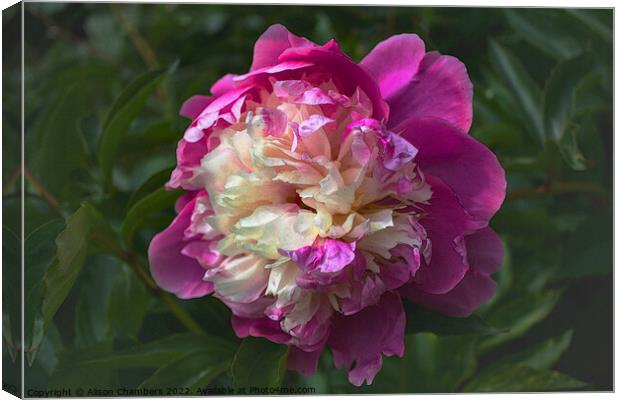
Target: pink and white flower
x=320, y=193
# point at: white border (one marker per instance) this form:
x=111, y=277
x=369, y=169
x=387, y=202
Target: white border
x=455, y=3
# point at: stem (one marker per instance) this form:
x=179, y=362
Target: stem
x=556, y=188
x=144, y=50
x=49, y=198
x=10, y=182
x=132, y=261
x=146, y=53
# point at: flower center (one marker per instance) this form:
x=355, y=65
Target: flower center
x=316, y=194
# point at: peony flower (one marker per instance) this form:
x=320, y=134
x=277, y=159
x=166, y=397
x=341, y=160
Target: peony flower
x=321, y=193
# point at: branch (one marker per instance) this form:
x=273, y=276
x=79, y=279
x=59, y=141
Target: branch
x=557, y=188
x=47, y=196
x=10, y=182
x=146, y=53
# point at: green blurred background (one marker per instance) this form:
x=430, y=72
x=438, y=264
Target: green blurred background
x=100, y=136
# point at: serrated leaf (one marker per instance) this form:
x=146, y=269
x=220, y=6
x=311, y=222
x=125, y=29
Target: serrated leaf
x=521, y=378
x=124, y=110
x=422, y=320
x=519, y=315
x=525, y=90
x=259, y=363
x=159, y=352
x=153, y=203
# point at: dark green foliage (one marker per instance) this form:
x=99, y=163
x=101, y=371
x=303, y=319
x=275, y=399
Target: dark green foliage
x=259, y=363
x=101, y=130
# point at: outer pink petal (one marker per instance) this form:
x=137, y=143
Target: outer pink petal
x=303, y=362
x=358, y=341
x=485, y=251
x=484, y=255
x=259, y=327
x=441, y=89
x=171, y=270
x=474, y=290
x=272, y=43
x=394, y=62
x=470, y=169
x=194, y=105
x=223, y=85
x=446, y=224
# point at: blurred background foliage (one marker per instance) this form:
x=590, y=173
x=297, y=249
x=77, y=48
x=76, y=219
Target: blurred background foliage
x=103, y=84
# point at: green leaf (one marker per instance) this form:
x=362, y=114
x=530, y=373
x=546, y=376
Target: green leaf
x=39, y=253
x=541, y=356
x=521, y=378
x=422, y=320
x=154, y=203
x=569, y=148
x=259, y=363
x=151, y=184
x=588, y=18
x=124, y=110
x=67, y=375
x=525, y=90
x=59, y=134
x=191, y=372
x=138, y=144
x=519, y=315
x=545, y=31
x=559, y=105
x=593, y=259
x=129, y=304
x=11, y=291
x=435, y=364
x=159, y=352
x=92, y=324
x=72, y=243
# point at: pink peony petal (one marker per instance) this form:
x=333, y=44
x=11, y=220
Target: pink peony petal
x=485, y=250
x=272, y=43
x=194, y=105
x=474, y=290
x=441, y=89
x=172, y=270
x=312, y=124
x=302, y=361
x=394, y=62
x=223, y=85
x=467, y=166
x=446, y=224
x=358, y=341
